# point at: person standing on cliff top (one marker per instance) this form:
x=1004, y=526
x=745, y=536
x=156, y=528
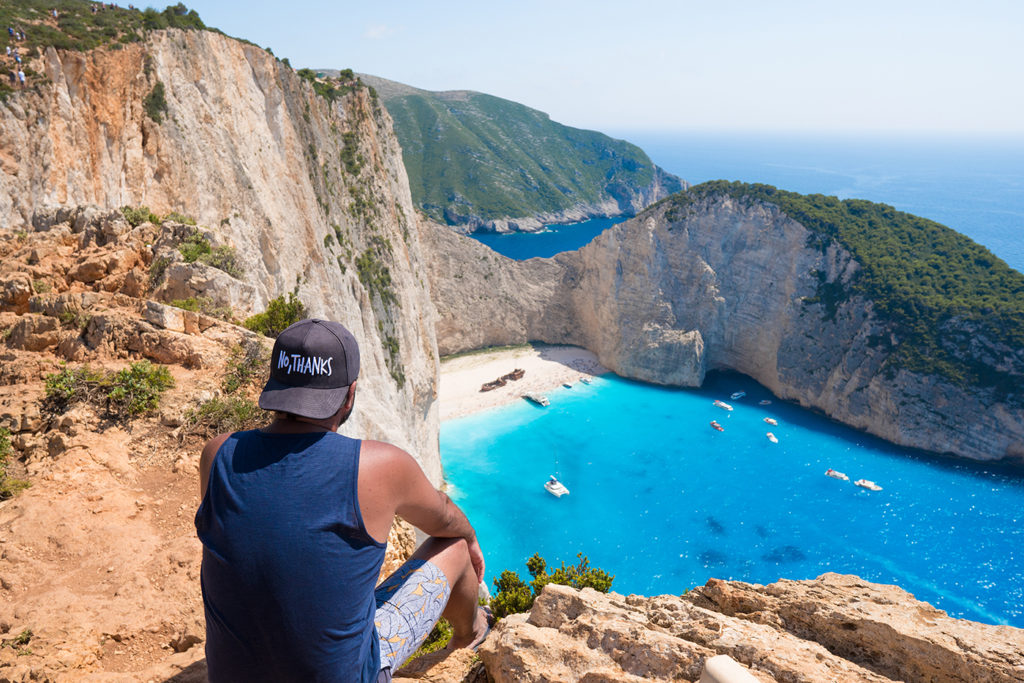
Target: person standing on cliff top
x=294, y=521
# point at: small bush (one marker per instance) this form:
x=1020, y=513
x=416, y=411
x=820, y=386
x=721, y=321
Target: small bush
x=514, y=595
x=19, y=641
x=157, y=270
x=9, y=486
x=136, y=389
x=155, y=102
x=248, y=365
x=136, y=216
x=180, y=218
x=42, y=286
x=279, y=315
x=223, y=258
x=436, y=640
x=204, y=305
x=74, y=317
x=129, y=392
x=194, y=245
x=220, y=415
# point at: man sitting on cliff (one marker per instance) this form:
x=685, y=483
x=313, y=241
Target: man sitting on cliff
x=294, y=521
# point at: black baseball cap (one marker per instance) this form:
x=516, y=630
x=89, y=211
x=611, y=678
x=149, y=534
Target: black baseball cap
x=311, y=368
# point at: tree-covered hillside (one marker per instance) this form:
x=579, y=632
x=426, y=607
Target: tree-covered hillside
x=957, y=308
x=473, y=155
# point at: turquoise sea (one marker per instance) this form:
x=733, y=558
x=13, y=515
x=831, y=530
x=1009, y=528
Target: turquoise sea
x=664, y=502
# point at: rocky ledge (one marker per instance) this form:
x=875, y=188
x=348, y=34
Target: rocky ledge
x=834, y=628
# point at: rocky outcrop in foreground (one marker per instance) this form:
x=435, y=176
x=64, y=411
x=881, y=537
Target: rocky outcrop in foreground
x=834, y=628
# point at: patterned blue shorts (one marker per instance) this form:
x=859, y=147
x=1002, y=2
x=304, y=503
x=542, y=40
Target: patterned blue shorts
x=409, y=603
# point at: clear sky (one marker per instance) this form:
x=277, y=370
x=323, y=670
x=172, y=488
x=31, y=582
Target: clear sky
x=755, y=65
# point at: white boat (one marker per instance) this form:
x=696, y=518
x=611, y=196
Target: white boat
x=835, y=474
x=723, y=405
x=555, y=487
x=539, y=399
x=868, y=484
x=772, y=421
x=585, y=380
x=737, y=395
x=765, y=402
x=772, y=438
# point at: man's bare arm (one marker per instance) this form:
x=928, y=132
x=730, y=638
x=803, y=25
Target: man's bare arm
x=394, y=474
x=206, y=461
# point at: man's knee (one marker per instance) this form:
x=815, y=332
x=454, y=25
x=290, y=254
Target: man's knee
x=450, y=555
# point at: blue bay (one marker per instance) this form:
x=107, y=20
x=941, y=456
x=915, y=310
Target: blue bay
x=663, y=502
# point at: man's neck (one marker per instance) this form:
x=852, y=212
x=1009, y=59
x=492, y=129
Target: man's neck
x=284, y=424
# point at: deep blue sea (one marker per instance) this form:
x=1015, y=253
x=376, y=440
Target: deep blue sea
x=975, y=186
x=553, y=240
x=664, y=502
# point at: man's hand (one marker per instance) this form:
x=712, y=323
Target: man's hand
x=476, y=556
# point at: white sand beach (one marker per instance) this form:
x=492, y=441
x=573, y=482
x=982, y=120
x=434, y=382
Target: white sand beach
x=546, y=367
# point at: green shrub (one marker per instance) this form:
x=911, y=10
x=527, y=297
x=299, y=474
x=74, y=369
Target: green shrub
x=248, y=365
x=136, y=389
x=74, y=317
x=180, y=218
x=157, y=270
x=194, y=245
x=127, y=393
x=280, y=313
x=155, y=103
x=220, y=415
x=436, y=640
x=224, y=258
x=42, y=286
x=19, y=641
x=9, y=486
x=514, y=595
x=136, y=216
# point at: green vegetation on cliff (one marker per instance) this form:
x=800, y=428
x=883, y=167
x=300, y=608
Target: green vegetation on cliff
x=81, y=25
x=956, y=308
x=471, y=155
x=514, y=595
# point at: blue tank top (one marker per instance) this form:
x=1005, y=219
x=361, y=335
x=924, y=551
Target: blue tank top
x=288, y=568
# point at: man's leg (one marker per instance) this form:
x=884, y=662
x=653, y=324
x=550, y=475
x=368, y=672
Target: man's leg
x=451, y=555
x=438, y=580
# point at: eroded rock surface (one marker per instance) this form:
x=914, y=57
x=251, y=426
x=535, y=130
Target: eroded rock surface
x=834, y=628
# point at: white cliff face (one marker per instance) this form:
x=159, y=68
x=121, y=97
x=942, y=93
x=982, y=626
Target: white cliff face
x=301, y=186
x=665, y=299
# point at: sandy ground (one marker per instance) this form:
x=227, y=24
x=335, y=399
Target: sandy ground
x=547, y=367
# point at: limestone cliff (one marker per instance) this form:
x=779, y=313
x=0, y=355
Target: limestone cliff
x=728, y=284
x=309, y=189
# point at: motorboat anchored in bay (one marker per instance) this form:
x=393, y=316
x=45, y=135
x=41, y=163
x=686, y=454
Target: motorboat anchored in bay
x=723, y=405
x=555, y=487
x=868, y=484
x=539, y=399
